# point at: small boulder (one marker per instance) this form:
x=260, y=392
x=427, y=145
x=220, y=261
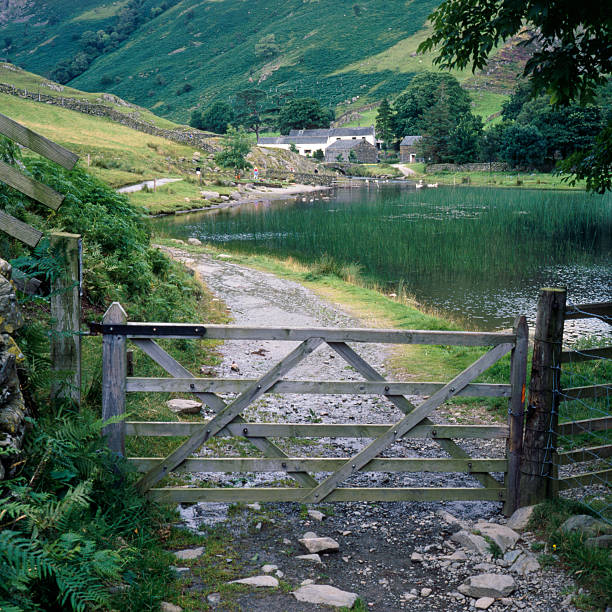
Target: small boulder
x=500, y=534
x=426, y=592
x=325, y=594
x=258, y=581
x=189, y=553
x=184, y=406
x=587, y=525
x=209, y=194
x=314, y=558
x=317, y=545
x=488, y=585
x=165, y=606
x=520, y=518
x=269, y=568
x=484, y=603
x=194, y=242
x=416, y=557
x=471, y=541
x=604, y=541
x=525, y=564
x=316, y=515
x=235, y=195
x=214, y=598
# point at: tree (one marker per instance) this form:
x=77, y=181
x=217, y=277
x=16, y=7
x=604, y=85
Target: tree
x=465, y=139
x=249, y=108
x=421, y=95
x=236, y=147
x=303, y=114
x=215, y=119
x=385, y=122
x=352, y=157
x=490, y=145
x=436, y=125
x=523, y=146
x=573, y=43
x=318, y=154
x=267, y=47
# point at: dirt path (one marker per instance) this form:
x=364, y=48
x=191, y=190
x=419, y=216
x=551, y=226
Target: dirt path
x=376, y=540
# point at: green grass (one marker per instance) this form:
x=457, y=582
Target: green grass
x=590, y=567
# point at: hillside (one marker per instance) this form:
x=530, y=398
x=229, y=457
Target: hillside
x=189, y=52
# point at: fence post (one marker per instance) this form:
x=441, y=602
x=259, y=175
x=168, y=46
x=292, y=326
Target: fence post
x=516, y=413
x=539, y=445
x=66, y=318
x=114, y=363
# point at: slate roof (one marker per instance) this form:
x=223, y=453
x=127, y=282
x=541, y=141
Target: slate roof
x=335, y=132
x=408, y=141
x=344, y=145
x=291, y=140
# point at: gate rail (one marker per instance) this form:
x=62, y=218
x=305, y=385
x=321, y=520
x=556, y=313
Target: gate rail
x=228, y=420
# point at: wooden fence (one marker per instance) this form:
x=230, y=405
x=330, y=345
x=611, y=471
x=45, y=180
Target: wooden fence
x=228, y=420
x=541, y=460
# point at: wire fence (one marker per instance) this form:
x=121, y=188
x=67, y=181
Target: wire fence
x=580, y=446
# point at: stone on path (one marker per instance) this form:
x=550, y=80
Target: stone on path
x=184, y=406
x=488, y=585
x=449, y=519
x=189, y=553
x=587, y=525
x=525, y=564
x=426, y=592
x=325, y=594
x=194, y=242
x=316, y=515
x=269, y=568
x=317, y=545
x=484, y=603
x=519, y=519
x=165, y=606
x=416, y=557
x=258, y=581
x=256, y=506
x=503, y=536
x=314, y=558
x=512, y=555
x=471, y=541
x=458, y=555
x=214, y=598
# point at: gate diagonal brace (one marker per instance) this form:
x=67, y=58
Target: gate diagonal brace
x=399, y=401
x=228, y=414
x=175, y=369
x=412, y=419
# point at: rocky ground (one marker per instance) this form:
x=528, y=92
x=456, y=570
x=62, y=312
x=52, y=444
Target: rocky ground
x=393, y=556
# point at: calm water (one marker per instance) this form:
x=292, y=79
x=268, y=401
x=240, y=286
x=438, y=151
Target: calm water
x=481, y=254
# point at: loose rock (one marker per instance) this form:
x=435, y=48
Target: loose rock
x=316, y=515
x=258, y=581
x=484, y=603
x=164, y=606
x=587, y=525
x=525, y=564
x=519, y=519
x=471, y=541
x=503, y=536
x=184, y=406
x=316, y=545
x=312, y=558
x=488, y=585
x=325, y=594
x=194, y=242
x=189, y=553
x=268, y=568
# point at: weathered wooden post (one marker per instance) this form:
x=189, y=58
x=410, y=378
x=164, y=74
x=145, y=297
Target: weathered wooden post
x=114, y=364
x=539, y=444
x=66, y=318
x=516, y=413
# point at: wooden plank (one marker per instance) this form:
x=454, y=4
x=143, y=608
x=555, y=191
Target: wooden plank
x=516, y=414
x=20, y=230
x=172, y=495
x=31, y=187
x=603, y=477
x=305, y=387
x=589, y=392
x=65, y=301
x=574, y=428
x=368, y=372
x=174, y=368
x=585, y=454
x=37, y=143
x=316, y=430
x=225, y=416
x=328, y=334
x=412, y=419
x=143, y=464
x=586, y=355
x=599, y=310
x=113, y=380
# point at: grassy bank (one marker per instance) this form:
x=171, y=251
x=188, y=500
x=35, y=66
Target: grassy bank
x=530, y=180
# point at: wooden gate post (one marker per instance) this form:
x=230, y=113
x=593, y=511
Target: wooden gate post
x=540, y=441
x=516, y=414
x=114, y=365
x=66, y=318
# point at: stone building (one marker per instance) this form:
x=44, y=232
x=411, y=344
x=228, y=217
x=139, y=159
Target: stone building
x=408, y=150
x=363, y=151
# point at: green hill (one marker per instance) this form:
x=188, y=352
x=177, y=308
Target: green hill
x=186, y=53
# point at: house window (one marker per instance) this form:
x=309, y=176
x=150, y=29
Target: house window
x=307, y=151
x=354, y=137
x=338, y=139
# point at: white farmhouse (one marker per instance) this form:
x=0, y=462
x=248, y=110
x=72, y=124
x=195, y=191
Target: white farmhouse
x=309, y=141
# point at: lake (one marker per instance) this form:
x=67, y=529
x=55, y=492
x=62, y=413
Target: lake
x=480, y=254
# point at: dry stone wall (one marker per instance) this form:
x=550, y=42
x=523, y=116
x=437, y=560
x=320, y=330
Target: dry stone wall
x=192, y=138
x=12, y=407
x=494, y=167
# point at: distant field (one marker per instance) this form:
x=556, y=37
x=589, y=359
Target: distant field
x=119, y=155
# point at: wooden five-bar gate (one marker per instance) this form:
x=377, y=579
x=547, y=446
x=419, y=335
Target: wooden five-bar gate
x=228, y=420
